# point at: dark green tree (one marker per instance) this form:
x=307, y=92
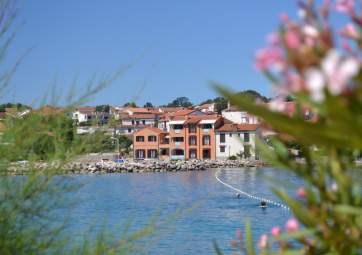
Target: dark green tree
x=130, y=104
x=180, y=102
x=148, y=105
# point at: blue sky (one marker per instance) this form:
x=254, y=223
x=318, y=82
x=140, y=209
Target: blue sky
x=175, y=47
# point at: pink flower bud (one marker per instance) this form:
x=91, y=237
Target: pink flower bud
x=350, y=31
x=275, y=231
x=238, y=234
x=345, y=6
x=284, y=17
x=292, y=39
x=292, y=225
x=301, y=193
x=263, y=241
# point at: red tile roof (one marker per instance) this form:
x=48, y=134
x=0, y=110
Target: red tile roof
x=237, y=127
x=153, y=129
x=86, y=109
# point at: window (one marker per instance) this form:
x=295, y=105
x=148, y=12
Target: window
x=246, y=137
x=140, y=138
x=206, y=140
x=222, y=138
x=193, y=153
x=192, y=128
x=165, y=152
x=207, y=126
x=140, y=153
x=192, y=140
x=222, y=148
x=239, y=134
x=178, y=139
x=152, y=138
x=129, y=130
x=230, y=135
x=137, y=122
x=143, y=122
x=151, y=153
x=178, y=126
x=132, y=122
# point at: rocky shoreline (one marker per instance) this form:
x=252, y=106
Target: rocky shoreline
x=146, y=166
x=159, y=166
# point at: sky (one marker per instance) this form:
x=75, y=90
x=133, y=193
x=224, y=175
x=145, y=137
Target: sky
x=172, y=48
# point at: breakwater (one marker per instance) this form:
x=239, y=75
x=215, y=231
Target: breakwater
x=159, y=166
x=81, y=167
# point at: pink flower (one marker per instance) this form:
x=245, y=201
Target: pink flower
x=275, y=231
x=292, y=225
x=292, y=39
x=350, y=31
x=345, y=6
x=239, y=234
x=301, y=193
x=269, y=57
x=284, y=17
x=277, y=104
x=273, y=39
x=346, y=46
x=335, y=74
x=263, y=241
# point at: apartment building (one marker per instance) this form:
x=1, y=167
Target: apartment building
x=148, y=143
x=236, y=140
x=189, y=137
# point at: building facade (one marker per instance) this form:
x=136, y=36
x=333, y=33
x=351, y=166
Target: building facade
x=237, y=140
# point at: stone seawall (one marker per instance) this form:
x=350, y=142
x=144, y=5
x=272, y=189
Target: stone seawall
x=82, y=167
x=158, y=166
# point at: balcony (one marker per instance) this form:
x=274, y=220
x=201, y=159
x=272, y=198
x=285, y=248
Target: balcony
x=206, y=130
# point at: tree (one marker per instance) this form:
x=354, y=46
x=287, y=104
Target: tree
x=180, y=102
x=103, y=108
x=130, y=104
x=221, y=103
x=253, y=94
x=148, y=105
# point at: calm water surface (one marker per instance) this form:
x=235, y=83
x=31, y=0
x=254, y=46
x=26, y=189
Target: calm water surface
x=114, y=199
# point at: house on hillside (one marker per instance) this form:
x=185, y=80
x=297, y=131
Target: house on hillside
x=84, y=115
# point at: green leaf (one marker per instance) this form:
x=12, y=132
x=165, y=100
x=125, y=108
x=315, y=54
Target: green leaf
x=216, y=248
x=249, y=239
x=347, y=209
x=299, y=210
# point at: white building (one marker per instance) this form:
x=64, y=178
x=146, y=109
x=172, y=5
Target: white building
x=84, y=114
x=236, y=140
x=132, y=123
x=239, y=117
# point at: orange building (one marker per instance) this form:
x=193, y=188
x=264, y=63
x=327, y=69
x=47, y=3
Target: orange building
x=147, y=143
x=189, y=137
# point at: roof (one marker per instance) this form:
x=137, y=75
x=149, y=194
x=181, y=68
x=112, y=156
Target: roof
x=86, y=109
x=198, y=118
x=142, y=116
x=171, y=109
x=237, y=127
x=153, y=129
x=48, y=110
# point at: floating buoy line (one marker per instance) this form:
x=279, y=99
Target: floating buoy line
x=249, y=195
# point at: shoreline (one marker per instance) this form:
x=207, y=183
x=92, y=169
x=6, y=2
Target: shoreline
x=145, y=166
x=157, y=166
